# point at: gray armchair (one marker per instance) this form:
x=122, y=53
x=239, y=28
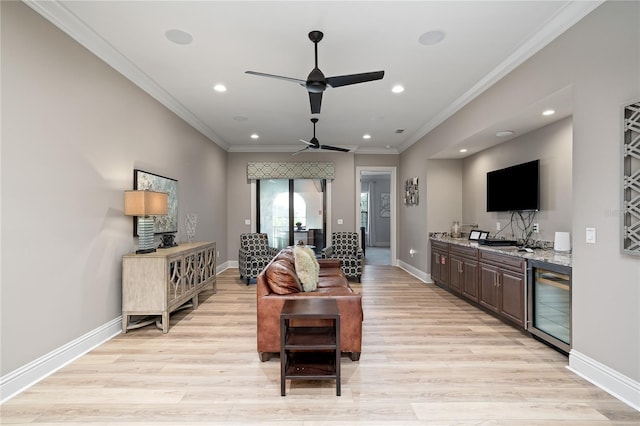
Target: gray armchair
x=345, y=247
x=254, y=254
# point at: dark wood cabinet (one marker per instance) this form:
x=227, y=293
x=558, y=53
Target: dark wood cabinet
x=463, y=271
x=502, y=285
x=440, y=263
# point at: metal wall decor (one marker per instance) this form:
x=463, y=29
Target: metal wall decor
x=411, y=191
x=631, y=180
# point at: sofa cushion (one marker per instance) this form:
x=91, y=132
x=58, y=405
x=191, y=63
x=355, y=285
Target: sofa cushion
x=282, y=277
x=306, y=267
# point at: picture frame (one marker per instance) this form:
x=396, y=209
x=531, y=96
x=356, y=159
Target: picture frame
x=150, y=181
x=476, y=235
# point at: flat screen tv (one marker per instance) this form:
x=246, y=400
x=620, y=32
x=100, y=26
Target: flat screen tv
x=514, y=188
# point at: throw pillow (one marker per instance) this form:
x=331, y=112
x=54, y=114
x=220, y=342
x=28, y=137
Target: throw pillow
x=281, y=277
x=307, y=268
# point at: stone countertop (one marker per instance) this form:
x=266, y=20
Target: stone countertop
x=544, y=255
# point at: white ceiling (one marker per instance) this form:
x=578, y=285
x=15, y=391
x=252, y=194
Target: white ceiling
x=484, y=41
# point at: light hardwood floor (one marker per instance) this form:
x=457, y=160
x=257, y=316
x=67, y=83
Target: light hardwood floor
x=427, y=358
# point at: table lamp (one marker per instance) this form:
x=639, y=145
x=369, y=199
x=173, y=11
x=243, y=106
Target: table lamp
x=145, y=204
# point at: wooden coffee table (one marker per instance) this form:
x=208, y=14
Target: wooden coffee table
x=309, y=352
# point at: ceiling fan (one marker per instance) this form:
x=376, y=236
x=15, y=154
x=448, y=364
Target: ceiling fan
x=315, y=144
x=316, y=82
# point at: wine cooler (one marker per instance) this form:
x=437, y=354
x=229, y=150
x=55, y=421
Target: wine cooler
x=549, y=303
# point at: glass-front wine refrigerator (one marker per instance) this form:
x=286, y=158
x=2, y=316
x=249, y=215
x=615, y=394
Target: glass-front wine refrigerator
x=549, y=303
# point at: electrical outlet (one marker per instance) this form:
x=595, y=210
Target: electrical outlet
x=497, y=226
x=536, y=227
x=218, y=253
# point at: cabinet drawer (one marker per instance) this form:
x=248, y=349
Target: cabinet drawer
x=439, y=245
x=470, y=252
x=503, y=260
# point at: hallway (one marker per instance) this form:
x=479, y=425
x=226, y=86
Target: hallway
x=377, y=256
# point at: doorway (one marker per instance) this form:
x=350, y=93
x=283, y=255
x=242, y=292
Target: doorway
x=292, y=210
x=377, y=213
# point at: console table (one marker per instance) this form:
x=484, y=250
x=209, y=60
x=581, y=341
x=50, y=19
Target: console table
x=309, y=352
x=164, y=281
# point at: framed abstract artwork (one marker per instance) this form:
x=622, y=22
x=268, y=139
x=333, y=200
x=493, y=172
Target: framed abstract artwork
x=161, y=224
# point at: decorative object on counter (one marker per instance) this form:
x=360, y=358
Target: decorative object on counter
x=411, y=191
x=439, y=234
x=455, y=229
x=299, y=226
x=144, y=180
x=143, y=205
x=476, y=235
x=168, y=240
x=631, y=180
x=562, y=242
x=190, y=223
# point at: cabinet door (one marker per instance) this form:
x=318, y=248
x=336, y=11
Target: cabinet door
x=175, y=282
x=512, y=296
x=488, y=296
x=435, y=265
x=470, y=280
x=456, y=273
x=444, y=268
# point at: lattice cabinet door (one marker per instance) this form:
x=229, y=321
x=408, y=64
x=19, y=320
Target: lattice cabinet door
x=175, y=284
x=631, y=180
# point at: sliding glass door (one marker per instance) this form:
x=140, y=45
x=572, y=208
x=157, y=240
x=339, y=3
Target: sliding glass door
x=292, y=210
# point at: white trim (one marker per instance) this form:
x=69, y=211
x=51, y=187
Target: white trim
x=28, y=375
x=568, y=16
x=422, y=276
x=394, y=207
x=611, y=381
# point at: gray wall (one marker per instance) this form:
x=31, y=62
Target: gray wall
x=599, y=58
x=73, y=130
x=552, y=146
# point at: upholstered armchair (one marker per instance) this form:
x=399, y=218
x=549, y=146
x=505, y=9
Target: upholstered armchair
x=254, y=254
x=345, y=247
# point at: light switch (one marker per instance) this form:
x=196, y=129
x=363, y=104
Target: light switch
x=247, y=221
x=591, y=235
x=340, y=221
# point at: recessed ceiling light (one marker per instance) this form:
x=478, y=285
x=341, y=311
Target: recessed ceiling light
x=240, y=118
x=432, y=37
x=548, y=112
x=463, y=150
x=504, y=133
x=388, y=146
x=254, y=136
x=220, y=88
x=366, y=136
x=178, y=36
x=397, y=89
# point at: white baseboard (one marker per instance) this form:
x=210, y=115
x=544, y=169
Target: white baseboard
x=422, y=276
x=611, y=381
x=226, y=265
x=18, y=380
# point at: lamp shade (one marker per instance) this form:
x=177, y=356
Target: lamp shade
x=145, y=203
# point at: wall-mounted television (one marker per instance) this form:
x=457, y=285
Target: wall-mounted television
x=514, y=188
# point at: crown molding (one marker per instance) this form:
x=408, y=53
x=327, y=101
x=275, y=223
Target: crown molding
x=61, y=17
x=564, y=19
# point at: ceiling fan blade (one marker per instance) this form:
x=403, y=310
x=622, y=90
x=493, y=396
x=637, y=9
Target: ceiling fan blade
x=300, y=150
x=333, y=148
x=345, y=80
x=315, y=99
x=307, y=142
x=291, y=79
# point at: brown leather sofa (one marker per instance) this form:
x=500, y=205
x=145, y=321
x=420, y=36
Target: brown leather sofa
x=278, y=282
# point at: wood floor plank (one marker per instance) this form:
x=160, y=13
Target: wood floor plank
x=428, y=358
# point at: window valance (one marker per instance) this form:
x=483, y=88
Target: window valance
x=291, y=170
